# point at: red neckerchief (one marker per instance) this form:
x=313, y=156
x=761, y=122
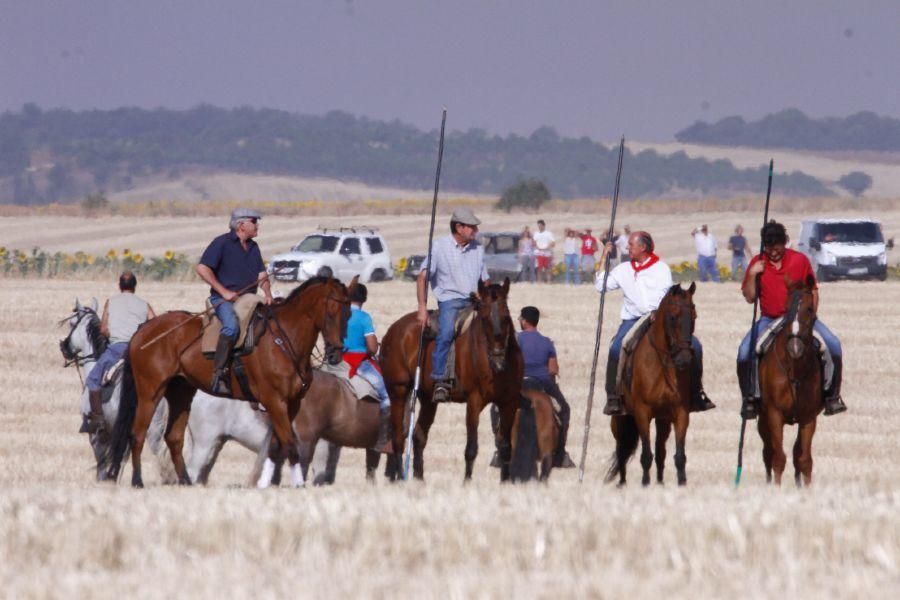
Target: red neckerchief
x=650, y=262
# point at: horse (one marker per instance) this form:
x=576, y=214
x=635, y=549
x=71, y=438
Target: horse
x=535, y=434
x=489, y=369
x=659, y=389
x=791, y=386
x=164, y=357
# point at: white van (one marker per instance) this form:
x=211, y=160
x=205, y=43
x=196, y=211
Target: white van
x=849, y=248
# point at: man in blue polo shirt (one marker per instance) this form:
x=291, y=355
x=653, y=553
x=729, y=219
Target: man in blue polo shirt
x=232, y=265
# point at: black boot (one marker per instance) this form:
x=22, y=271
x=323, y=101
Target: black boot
x=383, y=444
x=221, y=381
x=749, y=401
x=699, y=400
x=96, y=422
x=833, y=402
x=614, y=405
x=561, y=458
x=441, y=391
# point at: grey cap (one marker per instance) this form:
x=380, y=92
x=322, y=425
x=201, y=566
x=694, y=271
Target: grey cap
x=464, y=215
x=245, y=213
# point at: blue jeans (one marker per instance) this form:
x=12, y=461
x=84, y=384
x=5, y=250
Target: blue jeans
x=225, y=311
x=447, y=312
x=834, y=344
x=706, y=265
x=528, y=273
x=572, y=267
x=738, y=263
x=368, y=372
x=111, y=356
x=615, y=348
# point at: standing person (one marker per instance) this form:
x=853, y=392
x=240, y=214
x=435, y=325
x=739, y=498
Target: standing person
x=122, y=315
x=622, y=244
x=588, y=251
x=738, y=246
x=705, y=243
x=232, y=263
x=571, y=246
x=776, y=264
x=543, y=254
x=541, y=365
x=526, y=255
x=457, y=264
x=644, y=281
x=360, y=350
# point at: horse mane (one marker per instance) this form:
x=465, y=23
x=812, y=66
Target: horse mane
x=98, y=340
x=309, y=283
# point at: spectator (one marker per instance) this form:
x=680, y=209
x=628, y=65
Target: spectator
x=543, y=254
x=588, y=251
x=622, y=245
x=604, y=239
x=738, y=246
x=705, y=243
x=571, y=245
x=526, y=255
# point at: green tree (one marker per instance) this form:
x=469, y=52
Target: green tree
x=856, y=182
x=524, y=195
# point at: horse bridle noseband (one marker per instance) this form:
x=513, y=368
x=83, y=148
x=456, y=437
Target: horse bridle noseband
x=675, y=345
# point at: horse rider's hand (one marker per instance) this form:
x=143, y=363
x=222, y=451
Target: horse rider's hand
x=757, y=268
x=267, y=300
x=229, y=296
x=608, y=248
x=422, y=316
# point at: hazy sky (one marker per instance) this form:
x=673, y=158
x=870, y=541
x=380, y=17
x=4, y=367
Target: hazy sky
x=646, y=69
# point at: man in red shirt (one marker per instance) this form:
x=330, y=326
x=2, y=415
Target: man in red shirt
x=776, y=262
x=588, y=250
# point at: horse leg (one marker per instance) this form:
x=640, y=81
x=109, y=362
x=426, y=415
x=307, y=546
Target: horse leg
x=503, y=437
x=776, y=433
x=663, y=429
x=803, y=460
x=142, y=418
x=427, y=411
x=642, y=419
x=682, y=419
x=762, y=427
x=471, y=451
x=287, y=446
x=179, y=395
x=372, y=460
x=305, y=451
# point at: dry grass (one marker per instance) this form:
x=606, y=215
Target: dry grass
x=63, y=535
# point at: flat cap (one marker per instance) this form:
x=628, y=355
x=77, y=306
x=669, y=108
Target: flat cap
x=464, y=215
x=245, y=213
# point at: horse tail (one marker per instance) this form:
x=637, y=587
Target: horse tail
x=120, y=439
x=626, y=444
x=522, y=464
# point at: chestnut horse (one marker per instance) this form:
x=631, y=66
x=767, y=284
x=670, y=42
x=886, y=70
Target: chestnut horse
x=489, y=369
x=164, y=358
x=535, y=434
x=659, y=389
x=791, y=386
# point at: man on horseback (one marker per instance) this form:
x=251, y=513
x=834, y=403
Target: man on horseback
x=457, y=265
x=644, y=281
x=541, y=367
x=360, y=349
x=767, y=277
x=232, y=264
x=122, y=315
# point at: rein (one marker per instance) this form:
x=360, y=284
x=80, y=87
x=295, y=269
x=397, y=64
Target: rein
x=667, y=356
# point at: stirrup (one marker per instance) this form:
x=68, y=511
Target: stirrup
x=834, y=406
x=614, y=406
x=441, y=392
x=702, y=403
x=220, y=384
x=749, y=409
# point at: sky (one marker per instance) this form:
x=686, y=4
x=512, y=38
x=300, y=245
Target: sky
x=601, y=69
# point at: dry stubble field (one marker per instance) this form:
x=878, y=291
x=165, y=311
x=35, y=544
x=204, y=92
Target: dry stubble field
x=61, y=534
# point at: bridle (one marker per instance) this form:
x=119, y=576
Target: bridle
x=496, y=354
x=75, y=357
x=671, y=325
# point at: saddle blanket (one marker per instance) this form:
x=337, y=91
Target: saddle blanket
x=362, y=388
x=244, y=307
x=629, y=343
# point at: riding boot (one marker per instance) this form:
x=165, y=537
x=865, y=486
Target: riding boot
x=749, y=401
x=383, y=444
x=614, y=404
x=96, y=420
x=221, y=381
x=441, y=391
x=699, y=400
x=833, y=402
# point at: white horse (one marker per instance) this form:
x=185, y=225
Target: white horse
x=213, y=420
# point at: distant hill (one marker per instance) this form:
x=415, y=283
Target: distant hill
x=60, y=155
x=792, y=129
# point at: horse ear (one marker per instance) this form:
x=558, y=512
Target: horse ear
x=693, y=288
x=505, y=286
x=94, y=304
x=481, y=287
x=353, y=283
x=77, y=305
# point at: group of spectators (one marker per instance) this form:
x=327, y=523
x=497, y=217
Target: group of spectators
x=707, y=248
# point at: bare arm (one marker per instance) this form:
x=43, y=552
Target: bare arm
x=207, y=275
x=150, y=313
x=104, y=320
x=372, y=344
x=421, y=283
x=266, y=287
x=815, y=294
x=749, y=288
x=553, y=366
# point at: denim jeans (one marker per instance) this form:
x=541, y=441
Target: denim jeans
x=367, y=371
x=447, y=312
x=572, y=267
x=109, y=357
x=707, y=267
x=528, y=273
x=615, y=348
x=226, y=314
x=738, y=263
x=834, y=344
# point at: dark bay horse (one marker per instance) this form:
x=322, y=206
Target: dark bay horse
x=791, y=386
x=659, y=389
x=164, y=358
x=489, y=369
x=535, y=434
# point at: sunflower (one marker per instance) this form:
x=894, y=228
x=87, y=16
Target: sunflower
x=137, y=258
x=112, y=254
x=170, y=255
x=126, y=253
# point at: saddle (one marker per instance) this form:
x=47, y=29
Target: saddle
x=361, y=387
x=530, y=383
x=464, y=319
x=767, y=338
x=247, y=310
x=626, y=358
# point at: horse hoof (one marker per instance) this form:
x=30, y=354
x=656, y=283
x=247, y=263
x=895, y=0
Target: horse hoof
x=265, y=477
x=297, y=476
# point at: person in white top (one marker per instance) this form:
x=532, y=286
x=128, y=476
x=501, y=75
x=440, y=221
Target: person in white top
x=644, y=281
x=622, y=245
x=543, y=254
x=571, y=246
x=705, y=243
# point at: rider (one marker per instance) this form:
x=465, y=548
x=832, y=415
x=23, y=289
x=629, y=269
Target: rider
x=457, y=264
x=232, y=265
x=360, y=349
x=644, y=281
x=541, y=366
x=778, y=263
x=122, y=315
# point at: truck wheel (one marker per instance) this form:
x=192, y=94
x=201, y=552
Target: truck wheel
x=822, y=275
x=378, y=275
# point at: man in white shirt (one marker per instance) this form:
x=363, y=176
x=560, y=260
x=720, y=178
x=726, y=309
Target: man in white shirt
x=644, y=281
x=543, y=254
x=705, y=242
x=622, y=244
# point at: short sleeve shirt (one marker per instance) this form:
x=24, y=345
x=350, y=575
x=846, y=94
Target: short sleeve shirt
x=738, y=243
x=588, y=245
x=455, y=270
x=359, y=325
x=537, y=350
x=543, y=240
x=235, y=268
x=773, y=292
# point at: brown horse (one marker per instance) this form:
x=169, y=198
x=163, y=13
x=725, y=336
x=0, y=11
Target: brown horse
x=278, y=371
x=535, y=434
x=790, y=382
x=659, y=389
x=489, y=369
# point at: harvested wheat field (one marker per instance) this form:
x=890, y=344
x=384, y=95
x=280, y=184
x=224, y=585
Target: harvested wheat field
x=63, y=535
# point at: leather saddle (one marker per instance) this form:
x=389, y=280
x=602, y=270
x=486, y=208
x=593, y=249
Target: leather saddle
x=249, y=312
x=626, y=358
x=464, y=319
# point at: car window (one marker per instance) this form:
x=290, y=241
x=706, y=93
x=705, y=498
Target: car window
x=317, y=243
x=505, y=244
x=350, y=246
x=374, y=244
x=860, y=233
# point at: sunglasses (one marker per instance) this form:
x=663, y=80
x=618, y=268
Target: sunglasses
x=253, y=220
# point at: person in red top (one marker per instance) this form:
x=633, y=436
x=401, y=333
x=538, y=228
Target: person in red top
x=588, y=250
x=771, y=267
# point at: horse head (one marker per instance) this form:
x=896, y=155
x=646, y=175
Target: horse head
x=497, y=324
x=801, y=314
x=678, y=314
x=336, y=315
x=84, y=341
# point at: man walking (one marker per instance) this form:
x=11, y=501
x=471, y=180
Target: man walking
x=705, y=243
x=738, y=246
x=543, y=253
